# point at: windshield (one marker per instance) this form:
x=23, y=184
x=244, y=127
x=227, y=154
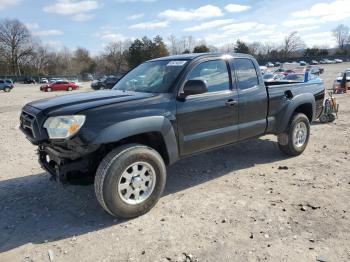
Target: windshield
x=152, y=77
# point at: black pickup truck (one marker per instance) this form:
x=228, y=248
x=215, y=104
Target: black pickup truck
x=160, y=112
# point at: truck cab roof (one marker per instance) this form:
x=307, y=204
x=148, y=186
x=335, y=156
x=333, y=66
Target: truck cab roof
x=194, y=56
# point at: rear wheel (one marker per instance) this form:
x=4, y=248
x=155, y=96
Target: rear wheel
x=130, y=180
x=7, y=89
x=294, y=141
x=48, y=89
x=70, y=88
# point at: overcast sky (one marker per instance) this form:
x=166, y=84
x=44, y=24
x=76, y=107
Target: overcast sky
x=93, y=23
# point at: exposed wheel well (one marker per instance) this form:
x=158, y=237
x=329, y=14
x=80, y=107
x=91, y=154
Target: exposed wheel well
x=152, y=139
x=305, y=109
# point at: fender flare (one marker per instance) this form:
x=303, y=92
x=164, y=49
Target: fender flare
x=137, y=126
x=284, y=117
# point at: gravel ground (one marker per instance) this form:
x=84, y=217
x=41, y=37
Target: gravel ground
x=246, y=202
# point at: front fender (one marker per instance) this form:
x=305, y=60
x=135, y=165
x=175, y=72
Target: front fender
x=132, y=127
x=283, y=118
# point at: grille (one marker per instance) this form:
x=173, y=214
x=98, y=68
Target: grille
x=27, y=123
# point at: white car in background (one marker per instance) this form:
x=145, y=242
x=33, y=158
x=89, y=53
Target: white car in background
x=76, y=81
x=43, y=80
x=337, y=81
x=53, y=80
x=263, y=69
x=338, y=61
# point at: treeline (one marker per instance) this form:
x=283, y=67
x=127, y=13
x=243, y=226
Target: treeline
x=23, y=54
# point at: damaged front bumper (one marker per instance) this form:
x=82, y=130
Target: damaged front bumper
x=61, y=165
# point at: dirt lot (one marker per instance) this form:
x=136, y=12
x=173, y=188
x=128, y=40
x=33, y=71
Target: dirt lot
x=234, y=204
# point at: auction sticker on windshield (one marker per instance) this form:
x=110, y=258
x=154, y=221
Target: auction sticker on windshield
x=176, y=63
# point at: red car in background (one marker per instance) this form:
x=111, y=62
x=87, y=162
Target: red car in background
x=59, y=86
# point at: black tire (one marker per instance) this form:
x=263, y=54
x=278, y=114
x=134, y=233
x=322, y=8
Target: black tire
x=70, y=88
x=286, y=141
x=331, y=118
x=49, y=89
x=324, y=119
x=7, y=89
x=110, y=171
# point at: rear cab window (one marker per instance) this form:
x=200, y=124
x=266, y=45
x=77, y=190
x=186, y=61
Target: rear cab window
x=246, y=74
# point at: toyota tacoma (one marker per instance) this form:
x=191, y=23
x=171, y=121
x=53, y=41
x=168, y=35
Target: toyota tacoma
x=160, y=112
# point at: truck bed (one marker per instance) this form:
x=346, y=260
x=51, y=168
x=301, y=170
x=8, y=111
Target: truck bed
x=281, y=94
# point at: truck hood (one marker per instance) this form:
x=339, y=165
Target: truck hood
x=78, y=102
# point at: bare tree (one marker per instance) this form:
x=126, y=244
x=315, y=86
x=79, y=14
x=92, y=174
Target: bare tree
x=173, y=45
x=227, y=48
x=115, y=56
x=342, y=35
x=82, y=62
x=16, y=43
x=40, y=60
x=291, y=44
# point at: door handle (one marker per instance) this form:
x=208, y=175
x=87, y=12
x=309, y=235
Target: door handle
x=230, y=103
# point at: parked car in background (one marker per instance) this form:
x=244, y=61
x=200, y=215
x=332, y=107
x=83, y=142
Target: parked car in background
x=278, y=64
x=294, y=77
x=327, y=61
x=316, y=70
x=269, y=77
x=338, y=61
x=279, y=70
x=289, y=71
x=109, y=82
x=88, y=77
x=76, y=81
x=300, y=78
x=283, y=71
x=105, y=83
x=302, y=63
x=53, y=80
x=59, y=86
x=43, y=80
x=29, y=80
x=6, y=85
x=337, y=81
x=97, y=83
x=314, y=62
x=263, y=69
x=269, y=64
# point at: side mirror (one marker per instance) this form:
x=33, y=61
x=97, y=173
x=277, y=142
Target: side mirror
x=194, y=87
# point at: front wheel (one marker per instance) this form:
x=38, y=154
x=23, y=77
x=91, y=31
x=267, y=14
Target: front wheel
x=7, y=89
x=294, y=141
x=70, y=88
x=130, y=180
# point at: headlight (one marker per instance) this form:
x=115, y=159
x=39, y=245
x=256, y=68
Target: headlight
x=61, y=127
